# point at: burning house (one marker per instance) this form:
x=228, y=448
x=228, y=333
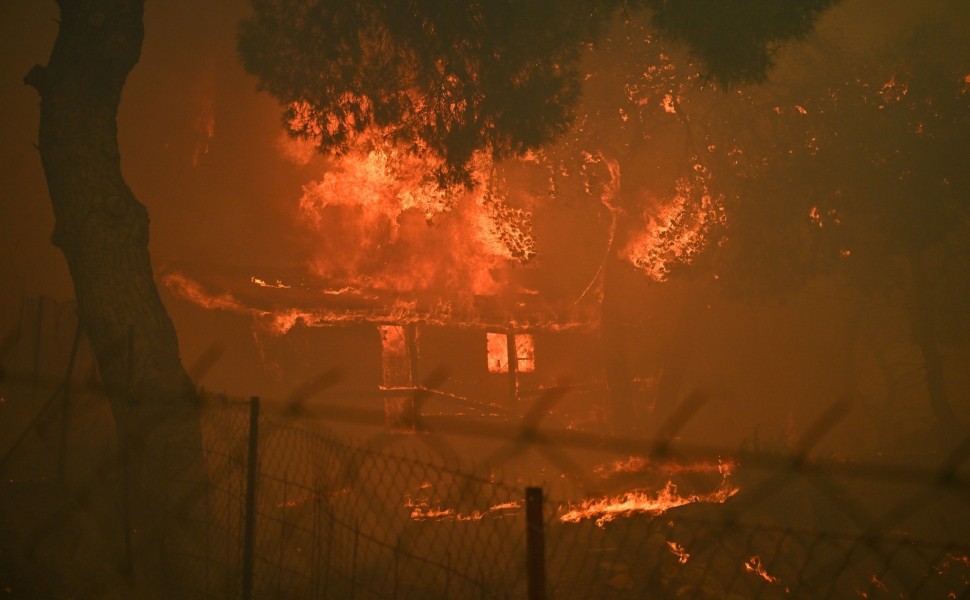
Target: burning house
x=405, y=281
x=489, y=357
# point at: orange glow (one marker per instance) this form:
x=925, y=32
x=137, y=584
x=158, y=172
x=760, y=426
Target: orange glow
x=753, y=565
x=394, y=357
x=606, y=509
x=525, y=353
x=498, y=352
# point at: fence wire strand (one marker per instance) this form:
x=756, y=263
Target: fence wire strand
x=407, y=515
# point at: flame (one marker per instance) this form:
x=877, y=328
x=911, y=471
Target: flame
x=421, y=510
x=262, y=283
x=679, y=551
x=753, y=565
x=678, y=230
x=606, y=509
x=381, y=220
x=195, y=293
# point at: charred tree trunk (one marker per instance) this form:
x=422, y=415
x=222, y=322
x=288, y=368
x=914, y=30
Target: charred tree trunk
x=102, y=230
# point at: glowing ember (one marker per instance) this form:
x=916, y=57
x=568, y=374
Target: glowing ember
x=753, y=565
x=679, y=551
x=815, y=217
x=294, y=502
x=606, y=509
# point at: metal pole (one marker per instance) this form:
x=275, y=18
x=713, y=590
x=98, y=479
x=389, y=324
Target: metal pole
x=535, y=544
x=249, y=532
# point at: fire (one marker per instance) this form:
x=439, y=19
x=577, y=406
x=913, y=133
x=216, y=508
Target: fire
x=195, y=293
x=679, y=229
x=421, y=510
x=753, y=565
x=679, y=551
x=498, y=352
x=606, y=509
x=262, y=283
x=381, y=220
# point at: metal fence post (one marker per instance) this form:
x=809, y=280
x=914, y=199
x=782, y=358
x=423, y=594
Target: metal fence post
x=535, y=544
x=249, y=532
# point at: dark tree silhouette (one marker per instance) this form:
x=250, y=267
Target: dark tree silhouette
x=102, y=230
x=454, y=78
x=858, y=172
x=737, y=41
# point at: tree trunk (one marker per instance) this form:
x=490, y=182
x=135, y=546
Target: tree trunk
x=102, y=230
x=924, y=334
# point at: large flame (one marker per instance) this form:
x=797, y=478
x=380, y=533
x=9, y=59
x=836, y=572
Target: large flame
x=679, y=229
x=383, y=221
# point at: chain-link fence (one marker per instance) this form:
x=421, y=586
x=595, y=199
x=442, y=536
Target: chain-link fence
x=287, y=509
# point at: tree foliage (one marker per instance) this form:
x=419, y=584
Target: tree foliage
x=736, y=40
x=449, y=78
x=454, y=78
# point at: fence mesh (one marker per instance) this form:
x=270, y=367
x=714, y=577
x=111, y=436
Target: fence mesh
x=406, y=515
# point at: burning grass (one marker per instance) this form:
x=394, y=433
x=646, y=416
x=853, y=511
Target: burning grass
x=608, y=508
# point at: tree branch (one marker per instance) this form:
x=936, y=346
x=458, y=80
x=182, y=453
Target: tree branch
x=37, y=78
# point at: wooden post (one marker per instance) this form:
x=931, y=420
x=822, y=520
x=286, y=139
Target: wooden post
x=535, y=544
x=249, y=532
x=411, y=339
